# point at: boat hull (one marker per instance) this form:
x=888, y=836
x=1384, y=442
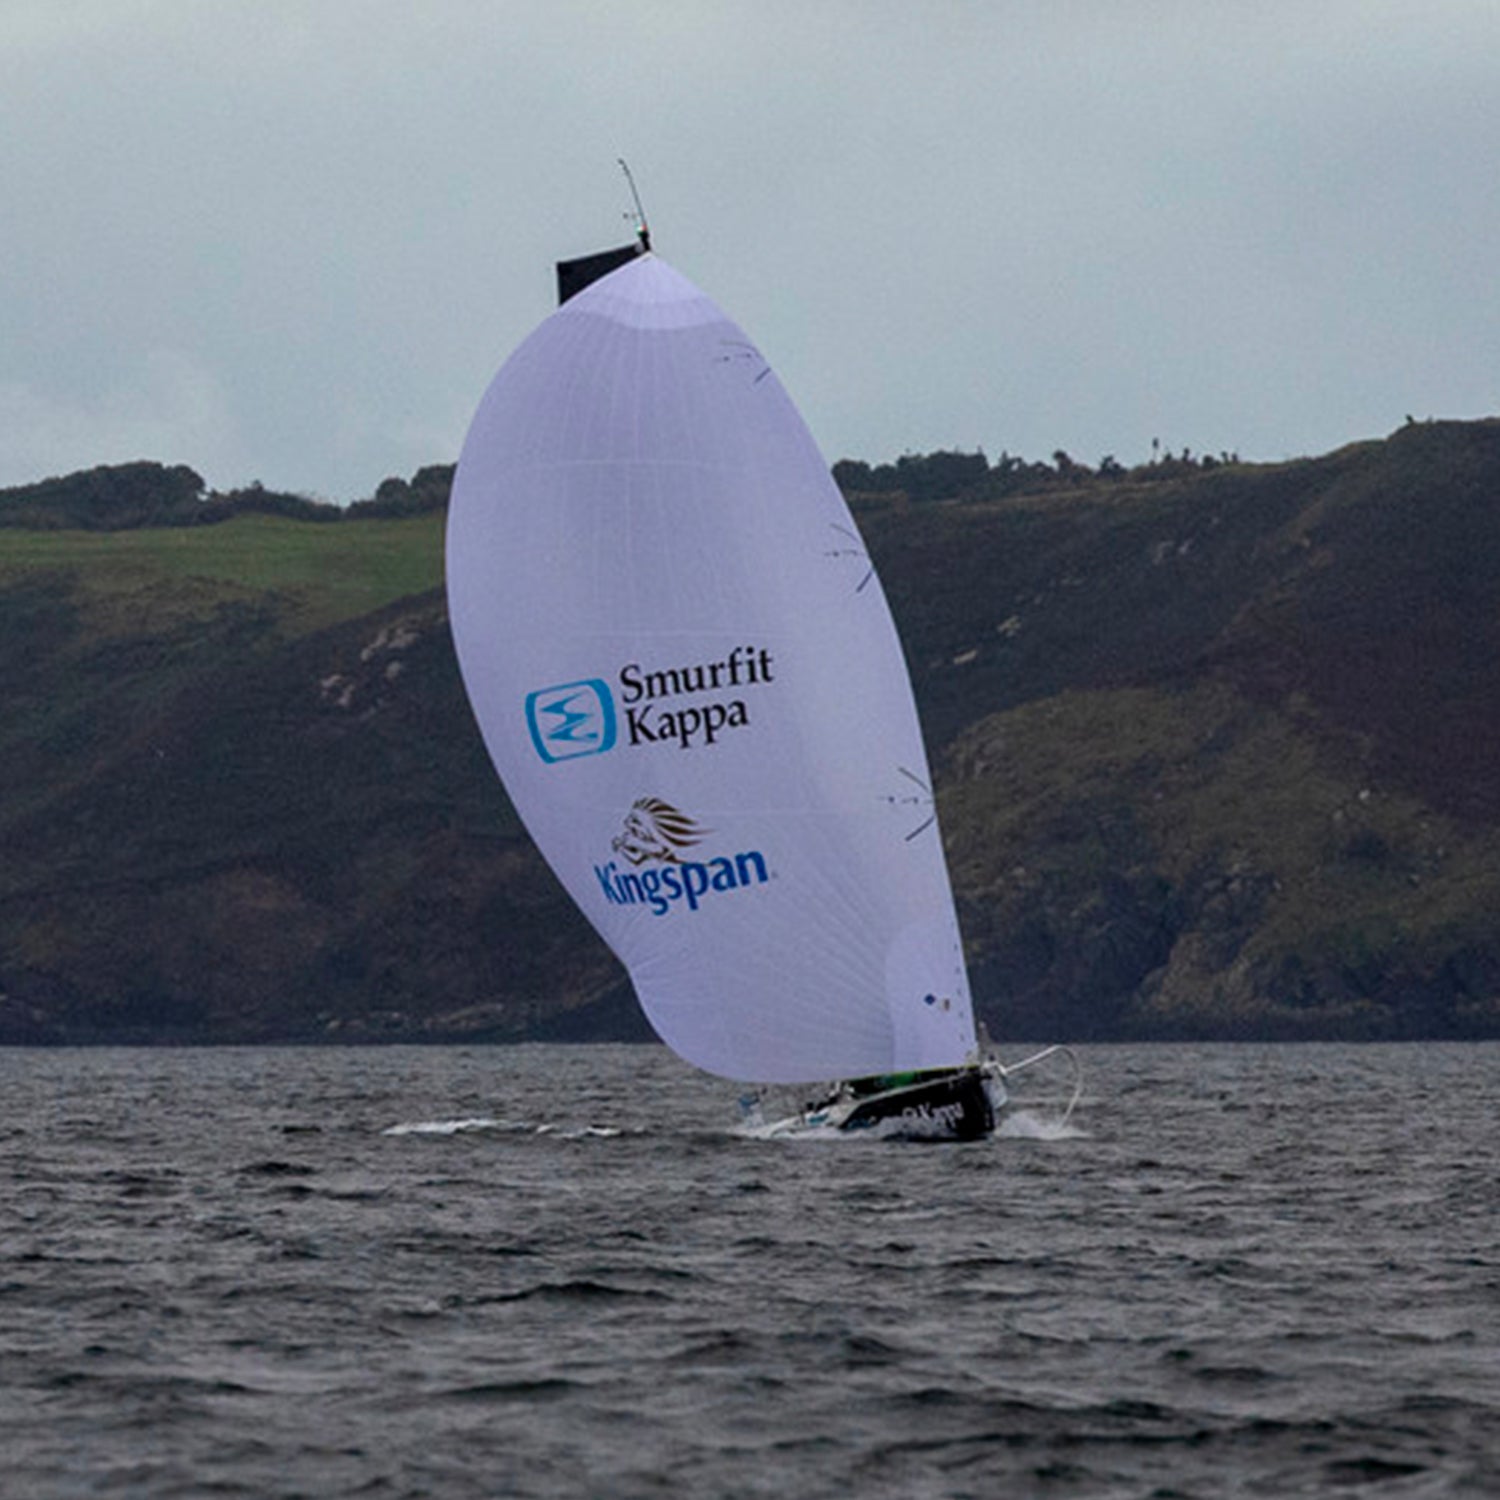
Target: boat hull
x=955, y=1105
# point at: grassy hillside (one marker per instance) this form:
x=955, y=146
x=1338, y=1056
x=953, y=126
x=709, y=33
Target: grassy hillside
x=1212, y=748
x=245, y=798
x=314, y=575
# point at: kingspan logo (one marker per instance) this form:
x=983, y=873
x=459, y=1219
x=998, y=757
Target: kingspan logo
x=657, y=843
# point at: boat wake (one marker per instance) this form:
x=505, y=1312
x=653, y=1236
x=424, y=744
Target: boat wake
x=482, y=1124
x=1027, y=1125
x=1014, y=1125
x=786, y=1130
x=471, y=1125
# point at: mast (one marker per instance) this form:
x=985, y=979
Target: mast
x=584, y=270
x=642, y=228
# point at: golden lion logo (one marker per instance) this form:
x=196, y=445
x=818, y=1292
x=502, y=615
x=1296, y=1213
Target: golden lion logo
x=656, y=830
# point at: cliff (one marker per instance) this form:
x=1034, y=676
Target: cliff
x=1213, y=748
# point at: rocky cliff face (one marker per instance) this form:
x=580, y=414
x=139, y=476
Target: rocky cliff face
x=1213, y=754
x=1237, y=778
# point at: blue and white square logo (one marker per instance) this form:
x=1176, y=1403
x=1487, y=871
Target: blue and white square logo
x=571, y=720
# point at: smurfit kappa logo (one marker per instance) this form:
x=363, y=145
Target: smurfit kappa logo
x=572, y=719
x=689, y=707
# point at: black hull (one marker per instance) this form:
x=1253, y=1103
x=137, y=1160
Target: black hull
x=950, y=1106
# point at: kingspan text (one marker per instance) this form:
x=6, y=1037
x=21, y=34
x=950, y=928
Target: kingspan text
x=689, y=882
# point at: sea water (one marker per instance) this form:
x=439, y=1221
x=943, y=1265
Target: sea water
x=551, y=1271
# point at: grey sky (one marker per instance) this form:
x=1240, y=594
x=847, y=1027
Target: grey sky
x=290, y=240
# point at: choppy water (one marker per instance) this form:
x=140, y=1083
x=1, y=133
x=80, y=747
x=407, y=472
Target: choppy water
x=1257, y=1271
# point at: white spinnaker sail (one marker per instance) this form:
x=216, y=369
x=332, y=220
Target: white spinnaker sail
x=687, y=676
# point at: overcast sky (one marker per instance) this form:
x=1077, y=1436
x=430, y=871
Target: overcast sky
x=291, y=240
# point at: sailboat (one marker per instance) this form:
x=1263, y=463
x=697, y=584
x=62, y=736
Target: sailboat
x=686, y=674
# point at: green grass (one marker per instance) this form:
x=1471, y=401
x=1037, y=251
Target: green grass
x=319, y=574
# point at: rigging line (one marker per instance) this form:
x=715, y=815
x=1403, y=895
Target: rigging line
x=858, y=551
x=932, y=818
